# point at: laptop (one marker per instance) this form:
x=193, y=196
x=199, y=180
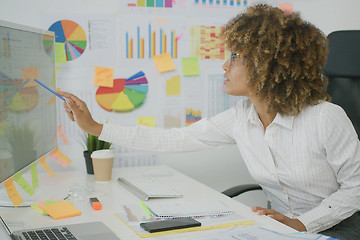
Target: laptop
x=81, y=231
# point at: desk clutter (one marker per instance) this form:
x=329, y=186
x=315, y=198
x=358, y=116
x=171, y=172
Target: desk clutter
x=211, y=215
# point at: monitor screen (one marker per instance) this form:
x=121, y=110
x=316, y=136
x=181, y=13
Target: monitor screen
x=28, y=121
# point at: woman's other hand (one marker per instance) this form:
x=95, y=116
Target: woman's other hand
x=291, y=222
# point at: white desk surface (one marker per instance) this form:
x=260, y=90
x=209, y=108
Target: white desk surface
x=112, y=196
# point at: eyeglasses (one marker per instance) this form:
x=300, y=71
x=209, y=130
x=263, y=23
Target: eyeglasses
x=233, y=57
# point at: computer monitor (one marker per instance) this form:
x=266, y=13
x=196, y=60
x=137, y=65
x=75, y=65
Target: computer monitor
x=28, y=120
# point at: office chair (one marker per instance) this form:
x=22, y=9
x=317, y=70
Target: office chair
x=342, y=69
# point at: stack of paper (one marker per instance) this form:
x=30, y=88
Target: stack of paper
x=189, y=209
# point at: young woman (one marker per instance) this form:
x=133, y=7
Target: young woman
x=302, y=149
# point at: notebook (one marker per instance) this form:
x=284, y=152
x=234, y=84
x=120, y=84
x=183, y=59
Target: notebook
x=189, y=209
x=81, y=231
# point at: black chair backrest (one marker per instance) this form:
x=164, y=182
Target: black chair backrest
x=343, y=71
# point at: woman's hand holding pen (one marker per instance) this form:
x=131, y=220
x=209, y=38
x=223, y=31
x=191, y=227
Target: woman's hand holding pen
x=77, y=111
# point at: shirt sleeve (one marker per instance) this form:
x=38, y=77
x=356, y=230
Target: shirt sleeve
x=342, y=148
x=204, y=134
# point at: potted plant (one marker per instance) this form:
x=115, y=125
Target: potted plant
x=92, y=143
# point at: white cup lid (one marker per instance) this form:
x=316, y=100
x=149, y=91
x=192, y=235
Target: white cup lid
x=105, y=153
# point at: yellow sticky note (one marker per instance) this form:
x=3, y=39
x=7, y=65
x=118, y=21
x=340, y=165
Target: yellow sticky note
x=20, y=180
x=46, y=167
x=146, y=121
x=30, y=73
x=104, y=77
x=190, y=66
x=62, y=134
x=173, y=86
x=164, y=62
x=287, y=8
x=12, y=192
x=61, y=210
x=60, y=52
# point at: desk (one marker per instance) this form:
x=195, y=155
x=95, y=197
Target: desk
x=112, y=196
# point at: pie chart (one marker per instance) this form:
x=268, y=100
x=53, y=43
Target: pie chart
x=126, y=94
x=72, y=35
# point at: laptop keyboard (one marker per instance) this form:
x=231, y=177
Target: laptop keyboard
x=49, y=234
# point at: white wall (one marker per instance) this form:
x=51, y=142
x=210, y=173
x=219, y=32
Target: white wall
x=219, y=168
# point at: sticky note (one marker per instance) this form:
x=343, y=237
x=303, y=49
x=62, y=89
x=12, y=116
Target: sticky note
x=61, y=210
x=104, y=77
x=30, y=73
x=190, y=66
x=60, y=52
x=146, y=121
x=34, y=175
x=62, y=134
x=46, y=167
x=287, y=8
x=164, y=62
x=173, y=86
x=60, y=157
x=39, y=209
x=20, y=180
x=12, y=192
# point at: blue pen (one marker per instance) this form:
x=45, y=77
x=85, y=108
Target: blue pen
x=49, y=89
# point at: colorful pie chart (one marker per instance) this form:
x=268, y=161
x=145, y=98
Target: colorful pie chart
x=72, y=36
x=126, y=94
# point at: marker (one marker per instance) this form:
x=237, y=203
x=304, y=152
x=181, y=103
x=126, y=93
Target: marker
x=95, y=203
x=49, y=89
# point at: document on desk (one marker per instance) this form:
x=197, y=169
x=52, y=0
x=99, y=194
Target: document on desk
x=260, y=233
x=132, y=215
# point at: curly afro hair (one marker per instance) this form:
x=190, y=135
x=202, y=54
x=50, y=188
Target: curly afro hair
x=284, y=57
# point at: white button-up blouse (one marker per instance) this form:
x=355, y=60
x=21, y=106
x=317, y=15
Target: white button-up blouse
x=308, y=165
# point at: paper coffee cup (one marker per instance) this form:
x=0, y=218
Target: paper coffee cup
x=102, y=163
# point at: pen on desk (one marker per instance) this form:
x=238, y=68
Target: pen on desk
x=7, y=229
x=49, y=89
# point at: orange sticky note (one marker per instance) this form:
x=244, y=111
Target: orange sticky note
x=61, y=210
x=60, y=157
x=164, y=62
x=104, y=77
x=30, y=73
x=46, y=167
x=287, y=8
x=62, y=134
x=12, y=192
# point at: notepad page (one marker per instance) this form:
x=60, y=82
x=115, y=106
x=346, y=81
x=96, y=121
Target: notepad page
x=189, y=209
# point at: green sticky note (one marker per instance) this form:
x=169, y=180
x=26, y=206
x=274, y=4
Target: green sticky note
x=19, y=179
x=34, y=175
x=190, y=66
x=60, y=52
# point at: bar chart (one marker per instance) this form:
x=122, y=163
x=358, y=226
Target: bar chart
x=150, y=3
x=223, y=3
x=146, y=42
